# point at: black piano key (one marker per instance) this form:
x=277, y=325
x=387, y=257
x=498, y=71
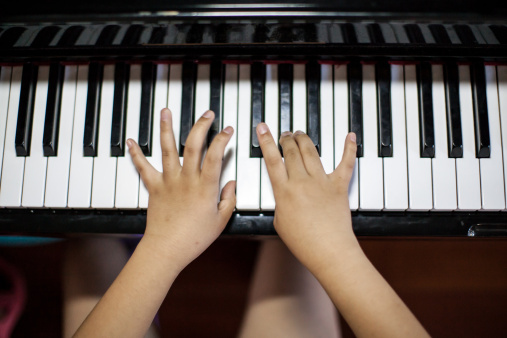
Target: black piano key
x=107, y=35
x=189, y=78
x=132, y=35
x=375, y=33
x=310, y=32
x=45, y=36
x=53, y=106
x=482, y=140
x=465, y=34
x=349, y=33
x=120, y=99
x=285, y=79
x=500, y=32
x=261, y=33
x=157, y=35
x=221, y=33
x=216, y=93
x=1, y=30
x=11, y=36
x=195, y=33
x=440, y=34
x=148, y=78
x=70, y=36
x=355, y=82
x=313, y=103
x=385, y=133
x=284, y=33
x=258, y=79
x=91, y=132
x=414, y=33
x=26, y=107
x=425, y=96
x=454, y=135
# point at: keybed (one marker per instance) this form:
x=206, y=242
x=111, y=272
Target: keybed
x=394, y=172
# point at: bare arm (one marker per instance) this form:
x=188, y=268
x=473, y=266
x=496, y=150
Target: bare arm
x=183, y=220
x=313, y=218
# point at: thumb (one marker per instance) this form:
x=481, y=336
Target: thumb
x=227, y=201
x=346, y=167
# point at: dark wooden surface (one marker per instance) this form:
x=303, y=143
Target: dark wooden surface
x=456, y=288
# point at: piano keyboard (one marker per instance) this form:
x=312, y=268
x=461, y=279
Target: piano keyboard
x=430, y=136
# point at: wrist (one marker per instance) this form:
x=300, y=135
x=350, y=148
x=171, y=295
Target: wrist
x=336, y=252
x=160, y=249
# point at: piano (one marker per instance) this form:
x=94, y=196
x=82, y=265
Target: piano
x=423, y=84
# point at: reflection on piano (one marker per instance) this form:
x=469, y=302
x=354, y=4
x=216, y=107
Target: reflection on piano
x=426, y=95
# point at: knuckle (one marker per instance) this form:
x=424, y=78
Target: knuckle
x=271, y=160
x=266, y=141
x=191, y=150
x=290, y=152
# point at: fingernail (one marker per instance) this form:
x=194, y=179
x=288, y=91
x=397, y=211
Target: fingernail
x=207, y=114
x=263, y=128
x=129, y=143
x=228, y=130
x=298, y=132
x=285, y=133
x=164, y=115
x=352, y=137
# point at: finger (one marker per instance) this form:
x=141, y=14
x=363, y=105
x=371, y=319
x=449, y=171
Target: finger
x=274, y=163
x=345, y=169
x=212, y=164
x=170, y=158
x=192, y=154
x=144, y=168
x=227, y=201
x=292, y=155
x=309, y=153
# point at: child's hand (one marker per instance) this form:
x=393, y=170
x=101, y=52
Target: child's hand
x=312, y=209
x=184, y=217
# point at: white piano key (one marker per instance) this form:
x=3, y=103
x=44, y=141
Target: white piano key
x=160, y=103
x=34, y=181
x=492, y=179
x=271, y=119
x=299, y=99
x=174, y=100
x=81, y=167
x=467, y=168
x=230, y=119
x=104, y=165
x=202, y=96
x=326, y=118
x=248, y=169
x=5, y=86
x=11, y=186
x=127, y=177
x=57, y=180
x=371, y=189
x=420, y=194
x=502, y=94
x=341, y=129
x=443, y=167
x=202, y=91
x=395, y=168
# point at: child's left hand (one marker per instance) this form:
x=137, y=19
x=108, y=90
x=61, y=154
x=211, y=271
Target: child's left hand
x=184, y=217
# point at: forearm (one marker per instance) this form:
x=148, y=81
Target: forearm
x=363, y=297
x=130, y=304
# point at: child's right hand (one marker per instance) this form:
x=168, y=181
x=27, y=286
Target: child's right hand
x=312, y=217
x=312, y=214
